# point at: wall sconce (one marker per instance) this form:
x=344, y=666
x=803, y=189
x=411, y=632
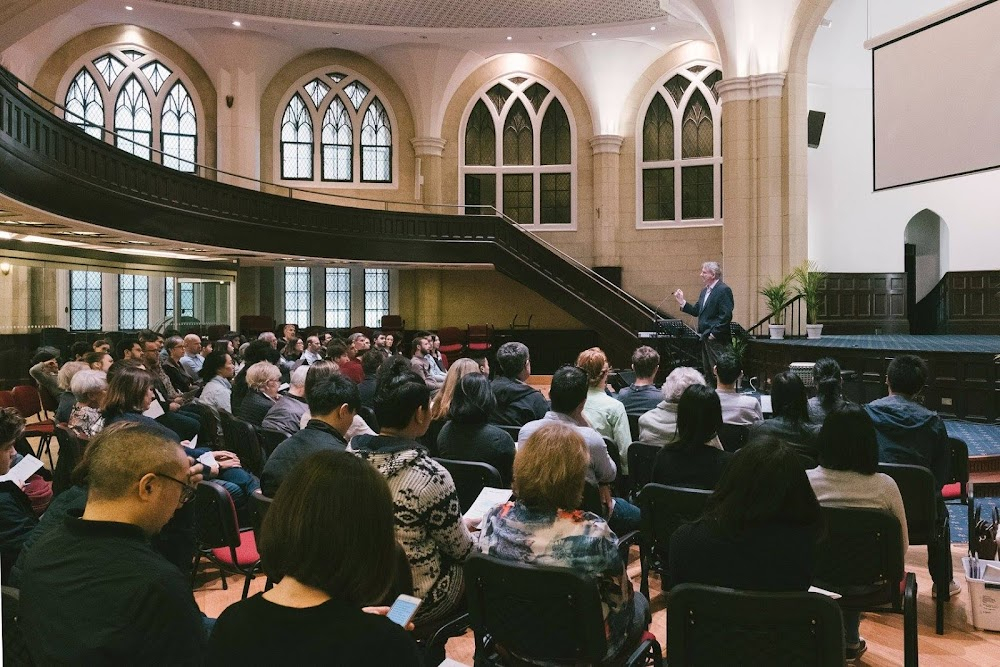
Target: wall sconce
x=229, y=101
x=5, y=268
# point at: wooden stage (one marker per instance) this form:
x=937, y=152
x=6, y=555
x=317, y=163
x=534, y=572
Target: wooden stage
x=964, y=372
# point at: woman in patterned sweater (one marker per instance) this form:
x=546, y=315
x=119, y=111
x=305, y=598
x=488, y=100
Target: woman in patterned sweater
x=429, y=523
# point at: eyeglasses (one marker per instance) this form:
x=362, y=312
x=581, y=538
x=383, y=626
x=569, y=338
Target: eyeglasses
x=187, y=493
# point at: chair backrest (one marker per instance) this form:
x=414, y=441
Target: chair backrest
x=633, y=425
x=613, y=452
x=26, y=400
x=861, y=551
x=15, y=648
x=6, y=399
x=215, y=522
x=269, y=439
x=667, y=508
x=368, y=414
x=470, y=477
x=240, y=437
x=708, y=625
x=591, y=501
x=916, y=486
x=733, y=436
x=640, y=463
x=513, y=431
x=536, y=612
x=451, y=336
x=259, y=504
x=392, y=322
x=959, y=469
x=49, y=402
x=70, y=452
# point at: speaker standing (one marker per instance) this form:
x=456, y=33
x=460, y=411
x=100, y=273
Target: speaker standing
x=714, y=310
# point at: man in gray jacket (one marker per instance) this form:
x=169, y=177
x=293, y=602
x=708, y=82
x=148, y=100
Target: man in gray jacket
x=286, y=413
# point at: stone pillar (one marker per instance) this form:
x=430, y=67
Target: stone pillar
x=760, y=240
x=429, y=186
x=607, y=153
x=238, y=138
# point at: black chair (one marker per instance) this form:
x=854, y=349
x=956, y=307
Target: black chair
x=664, y=510
x=71, y=448
x=240, y=437
x=259, y=504
x=733, y=436
x=641, y=457
x=269, y=440
x=927, y=524
x=633, y=424
x=709, y=625
x=620, y=484
x=219, y=537
x=368, y=414
x=470, y=478
x=15, y=649
x=538, y=613
x=958, y=486
x=861, y=557
x=513, y=431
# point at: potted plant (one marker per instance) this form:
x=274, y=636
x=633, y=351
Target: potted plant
x=776, y=293
x=807, y=283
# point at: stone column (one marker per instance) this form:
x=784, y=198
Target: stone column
x=238, y=138
x=760, y=240
x=607, y=153
x=429, y=186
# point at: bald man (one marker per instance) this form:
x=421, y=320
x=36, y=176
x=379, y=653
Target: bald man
x=192, y=361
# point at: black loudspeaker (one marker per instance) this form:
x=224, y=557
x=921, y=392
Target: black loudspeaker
x=612, y=274
x=816, y=120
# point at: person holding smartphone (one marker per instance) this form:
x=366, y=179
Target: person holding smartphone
x=328, y=540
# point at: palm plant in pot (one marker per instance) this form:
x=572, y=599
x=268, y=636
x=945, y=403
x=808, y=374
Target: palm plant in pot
x=808, y=279
x=776, y=293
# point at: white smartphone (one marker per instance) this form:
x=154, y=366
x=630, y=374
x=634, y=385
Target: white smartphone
x=403, y=609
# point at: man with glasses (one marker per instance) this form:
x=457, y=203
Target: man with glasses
x=93, y=590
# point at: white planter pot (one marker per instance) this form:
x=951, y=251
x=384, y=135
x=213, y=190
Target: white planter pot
x=814, y=331
x=777, y=331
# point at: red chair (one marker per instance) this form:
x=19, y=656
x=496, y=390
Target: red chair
x=220, y=539
x=49, y=402
x=28, y=403
x=452, y=342
x=480, y=337
x=6, y=399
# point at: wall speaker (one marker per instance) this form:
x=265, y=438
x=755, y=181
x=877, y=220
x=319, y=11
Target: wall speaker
x=816, y=120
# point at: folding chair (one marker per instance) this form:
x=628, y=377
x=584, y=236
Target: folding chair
x=28, y=404
x=664, y=510
x=470, y=478
x=220, y=539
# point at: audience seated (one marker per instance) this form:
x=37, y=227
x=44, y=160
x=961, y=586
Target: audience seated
x=605, y=415
x=179, y=378
x=909, y=433
x=370, y=362
x=286, y=413
x=65, y=397
x=442, y=402
x=263, y=381
x=80, y=348
x=45, y=370
x=350, y=362
x=738, y=409
x=135, y=606
x=292, y=351
x=569, y=395
x=192, y=360
x=438, y=360
x=468, y=435
x=642, y=395
x=542, y=527
x=422, y=365
x=691, y=461
x=217, y=374
x=326, y=368
x=790, y=423
x=380, y=345
x=17, y=519
x=129, y=348
x=262, y=349
x=659, y=425
x=98, y=361
x=429, y=524
x=517, y=403
x=89, y=389
x=760, y=526
x=484, y=363
x=848, y=476
x=829, y=389
x=333, y=404
x=171, y=400
x=328, y=540
x=130, y=393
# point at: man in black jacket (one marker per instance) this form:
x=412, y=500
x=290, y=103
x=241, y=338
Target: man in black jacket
x=517, y=403
x=714, y=310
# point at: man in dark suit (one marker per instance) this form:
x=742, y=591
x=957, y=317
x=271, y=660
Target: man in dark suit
x=714, y=311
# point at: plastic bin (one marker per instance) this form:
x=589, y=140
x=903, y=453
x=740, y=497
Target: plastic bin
x=984, y=594
x=804, y=369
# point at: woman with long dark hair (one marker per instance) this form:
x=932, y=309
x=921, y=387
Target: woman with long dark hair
x=790, y=423
x=468, y=435
x=829, y=390
x=217, y=373
x=691, y=460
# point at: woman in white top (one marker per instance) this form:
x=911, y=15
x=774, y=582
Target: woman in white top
x=606, y=415
x=217, y=372
x=847, y=476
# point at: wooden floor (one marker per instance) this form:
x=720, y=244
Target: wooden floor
x=961, y=645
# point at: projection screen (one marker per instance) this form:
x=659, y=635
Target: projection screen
x=936, y=96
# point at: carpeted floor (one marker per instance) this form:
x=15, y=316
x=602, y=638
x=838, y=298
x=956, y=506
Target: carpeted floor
x=982, y=439
x=898, y=342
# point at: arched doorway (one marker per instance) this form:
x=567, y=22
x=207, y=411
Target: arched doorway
x=925, y=252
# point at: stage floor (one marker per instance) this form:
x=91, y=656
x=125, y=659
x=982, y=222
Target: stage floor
x=898, y=342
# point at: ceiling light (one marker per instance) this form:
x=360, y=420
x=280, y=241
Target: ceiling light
x=509, y=38
x=652, y=27
x=593, y=34
x=237, y=24
x=128, y=8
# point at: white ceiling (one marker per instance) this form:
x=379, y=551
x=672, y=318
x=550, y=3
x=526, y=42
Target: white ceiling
x=441, y=13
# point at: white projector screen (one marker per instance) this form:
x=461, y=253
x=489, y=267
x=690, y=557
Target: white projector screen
x=937, y=97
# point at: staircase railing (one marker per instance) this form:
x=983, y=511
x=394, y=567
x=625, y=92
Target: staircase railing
x=792, y=315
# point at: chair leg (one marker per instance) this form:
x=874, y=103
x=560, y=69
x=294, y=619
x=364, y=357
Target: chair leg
x=194, y=568
x=910, y=647
x=246, y=586
x=644, y=558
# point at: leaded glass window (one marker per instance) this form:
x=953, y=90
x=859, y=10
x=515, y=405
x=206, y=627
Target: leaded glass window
x=84, y=106
x=338, y=298
x=187, y=298
x=518, y=153
x=296, y=141
x=179, y=130
x=297, y=295
x=680, y=165
x=133, y=302
x=85, y=300
x=109, y=67
x=376, y=144
x=353, y=141
x=376, y=296
x=134, y=120
x=157, y=73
